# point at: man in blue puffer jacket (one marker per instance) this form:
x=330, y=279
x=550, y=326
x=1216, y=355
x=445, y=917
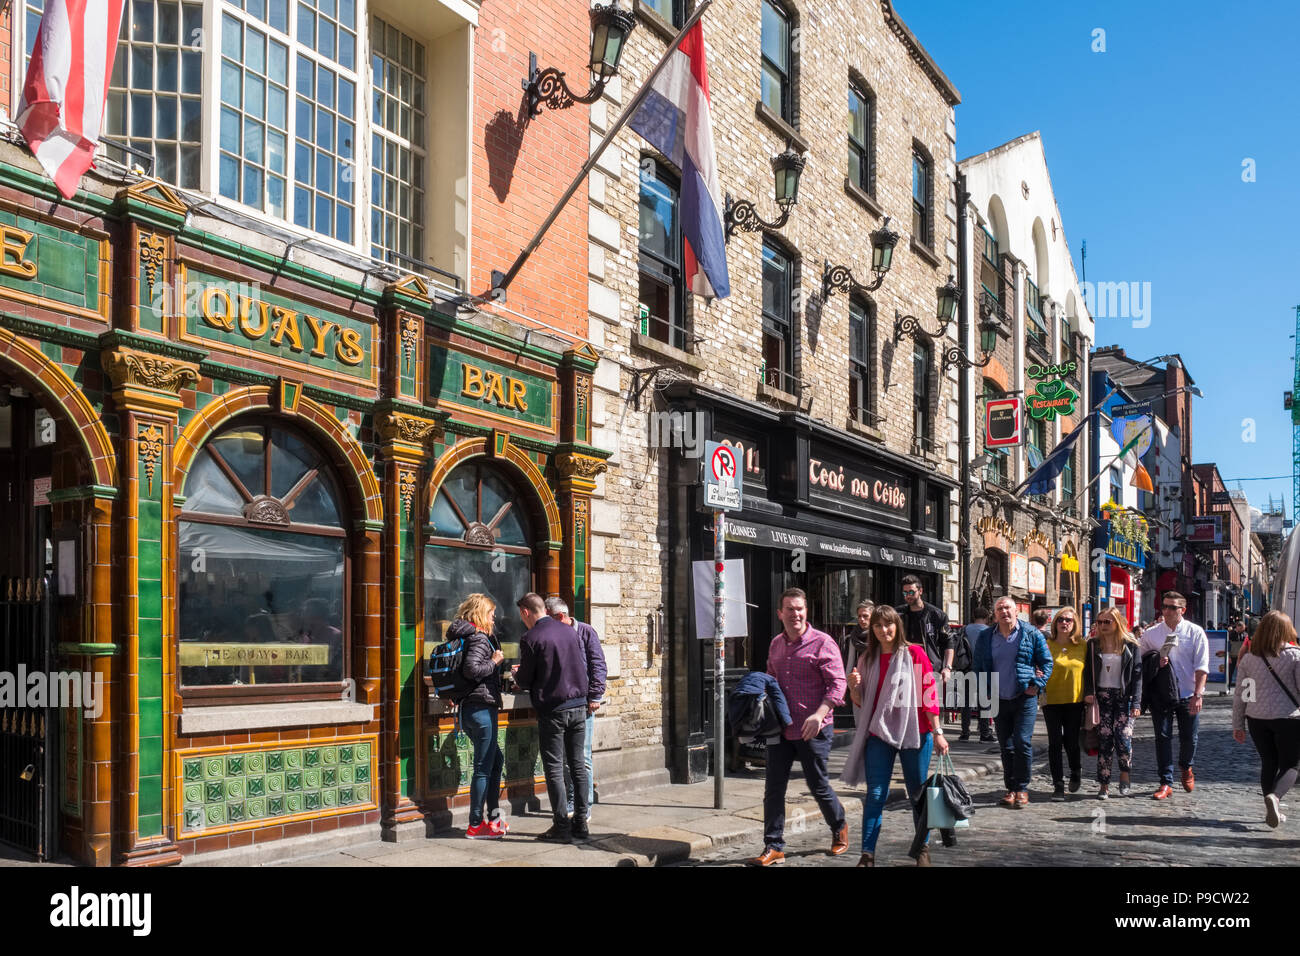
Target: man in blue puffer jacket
x=1018, y=654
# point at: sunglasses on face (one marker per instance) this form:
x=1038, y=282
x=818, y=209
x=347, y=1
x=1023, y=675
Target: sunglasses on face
x=909, y=593
x=1065, y=620
x=1170, y=607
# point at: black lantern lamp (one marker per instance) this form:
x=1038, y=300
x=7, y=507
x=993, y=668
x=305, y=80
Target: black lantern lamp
x=840, y=278
x=948, y=296
x=610, y=26
x=741, y=214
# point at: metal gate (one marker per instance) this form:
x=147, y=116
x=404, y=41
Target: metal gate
x=27, y=790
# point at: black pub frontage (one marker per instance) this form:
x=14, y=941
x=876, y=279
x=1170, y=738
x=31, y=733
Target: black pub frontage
x=841, y=517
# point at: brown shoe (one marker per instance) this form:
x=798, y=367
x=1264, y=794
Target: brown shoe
x=867, y=859
x=1163, y=793
x=769, y=857
x=1009, y=801
x=1022, y=799
x=841, y=842
x=923, y=858
x=1189, y=780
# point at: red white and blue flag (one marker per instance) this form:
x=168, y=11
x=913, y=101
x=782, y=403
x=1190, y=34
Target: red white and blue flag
x=62, y=108
x=675, y=119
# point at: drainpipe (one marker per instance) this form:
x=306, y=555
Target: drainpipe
x=964, y=376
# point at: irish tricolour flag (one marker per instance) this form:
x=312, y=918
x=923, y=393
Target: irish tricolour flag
x=675, y=119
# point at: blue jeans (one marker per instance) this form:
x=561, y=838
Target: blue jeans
x=480, y=725
x=1015, y=728
x=591, y=780
x=1163, y=720
x=879, y=761
x=813, y=756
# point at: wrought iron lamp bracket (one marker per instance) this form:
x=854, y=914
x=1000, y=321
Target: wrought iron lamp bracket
x=743, y=215
x=549, y=86
x=840, y=279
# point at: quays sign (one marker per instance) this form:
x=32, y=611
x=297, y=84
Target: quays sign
x=237, y=316
x=490, y=389
x=1050, y=400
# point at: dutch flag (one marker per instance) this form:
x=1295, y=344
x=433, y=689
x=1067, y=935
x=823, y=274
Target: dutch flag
x=675, y=120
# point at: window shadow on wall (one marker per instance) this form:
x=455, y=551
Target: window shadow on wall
x=504, y=136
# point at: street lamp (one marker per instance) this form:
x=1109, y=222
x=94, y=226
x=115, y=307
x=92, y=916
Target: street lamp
x=840, y=278
x=947, y=296
x=741, y=214
x=610, y=26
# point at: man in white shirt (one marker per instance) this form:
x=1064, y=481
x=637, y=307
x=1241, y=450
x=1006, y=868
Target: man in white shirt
x=1184, y=647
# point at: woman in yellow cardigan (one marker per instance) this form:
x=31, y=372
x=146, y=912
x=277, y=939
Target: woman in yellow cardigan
x=1063, y=699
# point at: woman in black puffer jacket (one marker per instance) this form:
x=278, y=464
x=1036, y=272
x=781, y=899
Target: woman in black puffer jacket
x=478, y=712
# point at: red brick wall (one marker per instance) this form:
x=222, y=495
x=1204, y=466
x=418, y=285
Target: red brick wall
x=521, y=167
x=6, y=43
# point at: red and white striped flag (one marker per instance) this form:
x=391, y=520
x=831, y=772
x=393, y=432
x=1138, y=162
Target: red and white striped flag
x=62, y=108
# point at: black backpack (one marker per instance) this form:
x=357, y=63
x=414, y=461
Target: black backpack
x=446, y=669
x=963, y=658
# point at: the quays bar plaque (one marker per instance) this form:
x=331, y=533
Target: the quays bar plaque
x=766, y=536
x=195, y=654
x=491, y=390
x=869, y=491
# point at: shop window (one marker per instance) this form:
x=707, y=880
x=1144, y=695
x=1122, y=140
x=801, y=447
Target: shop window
x=660, y=292
x=262, y=568
x=922, y=193
x=778, y=319
x=1067, y=482
x=397, y=150
x=777, y=57
x=935, y=521
x=921, y=355
x=862, y=110
x=862, y=335
x=480, y=541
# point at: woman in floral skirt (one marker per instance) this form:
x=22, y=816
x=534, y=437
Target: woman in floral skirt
x=1112, y=679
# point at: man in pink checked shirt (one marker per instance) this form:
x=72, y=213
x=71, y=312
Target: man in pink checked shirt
x=806, y=663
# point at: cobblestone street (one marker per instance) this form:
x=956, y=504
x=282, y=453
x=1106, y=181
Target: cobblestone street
x=1220, y=824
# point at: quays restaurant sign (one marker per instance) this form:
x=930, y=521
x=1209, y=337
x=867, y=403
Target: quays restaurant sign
x=490, y=389
x=240, y=316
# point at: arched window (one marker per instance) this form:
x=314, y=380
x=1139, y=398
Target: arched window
x=479, y=541
x=262, y=568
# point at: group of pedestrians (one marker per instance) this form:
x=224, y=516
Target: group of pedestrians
x=562, y=666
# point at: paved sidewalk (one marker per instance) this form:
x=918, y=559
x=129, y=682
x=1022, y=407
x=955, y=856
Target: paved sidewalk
x=653, y=827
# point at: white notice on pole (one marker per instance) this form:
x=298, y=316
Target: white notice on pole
x=733, y=577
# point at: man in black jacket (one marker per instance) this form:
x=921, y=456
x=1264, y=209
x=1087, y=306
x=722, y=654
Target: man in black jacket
x=553, y=669
x=927, y=626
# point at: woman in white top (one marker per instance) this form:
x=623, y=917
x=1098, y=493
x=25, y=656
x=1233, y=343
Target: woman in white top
x=1112, y=680
x=1267, y=700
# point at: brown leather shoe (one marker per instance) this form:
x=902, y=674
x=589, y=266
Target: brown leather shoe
x=1189, y=780
x=841, y=842
x=769, y=857
x=923, y=858
x=867, y=859
x=1163, y=793
x=1022, y=799
x=1009, y=801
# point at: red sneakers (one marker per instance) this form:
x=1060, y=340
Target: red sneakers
x=487, y=830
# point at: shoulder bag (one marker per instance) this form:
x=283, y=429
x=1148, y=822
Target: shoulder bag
x=1285, y=689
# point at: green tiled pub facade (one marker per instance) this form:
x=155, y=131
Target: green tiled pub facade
x=254, y=494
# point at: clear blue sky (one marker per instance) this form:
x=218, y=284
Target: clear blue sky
x=1145, y=143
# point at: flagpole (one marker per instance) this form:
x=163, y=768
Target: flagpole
x=498, y=290
x=1102, y=471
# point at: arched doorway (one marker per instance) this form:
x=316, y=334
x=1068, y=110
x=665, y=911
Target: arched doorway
x=52, y=527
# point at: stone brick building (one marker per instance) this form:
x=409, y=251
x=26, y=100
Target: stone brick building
x=1022, y=280
x=846, y=427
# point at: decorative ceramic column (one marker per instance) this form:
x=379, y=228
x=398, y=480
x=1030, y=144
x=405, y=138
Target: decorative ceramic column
x=145, y=388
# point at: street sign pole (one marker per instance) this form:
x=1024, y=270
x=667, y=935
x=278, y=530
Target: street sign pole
x=719, y=654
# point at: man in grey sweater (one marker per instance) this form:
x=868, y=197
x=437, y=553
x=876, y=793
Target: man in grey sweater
x=1267, y=701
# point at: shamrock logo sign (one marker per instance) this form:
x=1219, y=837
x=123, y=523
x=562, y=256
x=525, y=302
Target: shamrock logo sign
x=1052, y=399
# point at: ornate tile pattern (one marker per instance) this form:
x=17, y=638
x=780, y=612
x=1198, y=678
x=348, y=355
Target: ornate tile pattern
x=450, y=761
x=221, y=790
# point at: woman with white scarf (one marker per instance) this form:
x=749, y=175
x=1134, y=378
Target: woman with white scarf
x=896, y=706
